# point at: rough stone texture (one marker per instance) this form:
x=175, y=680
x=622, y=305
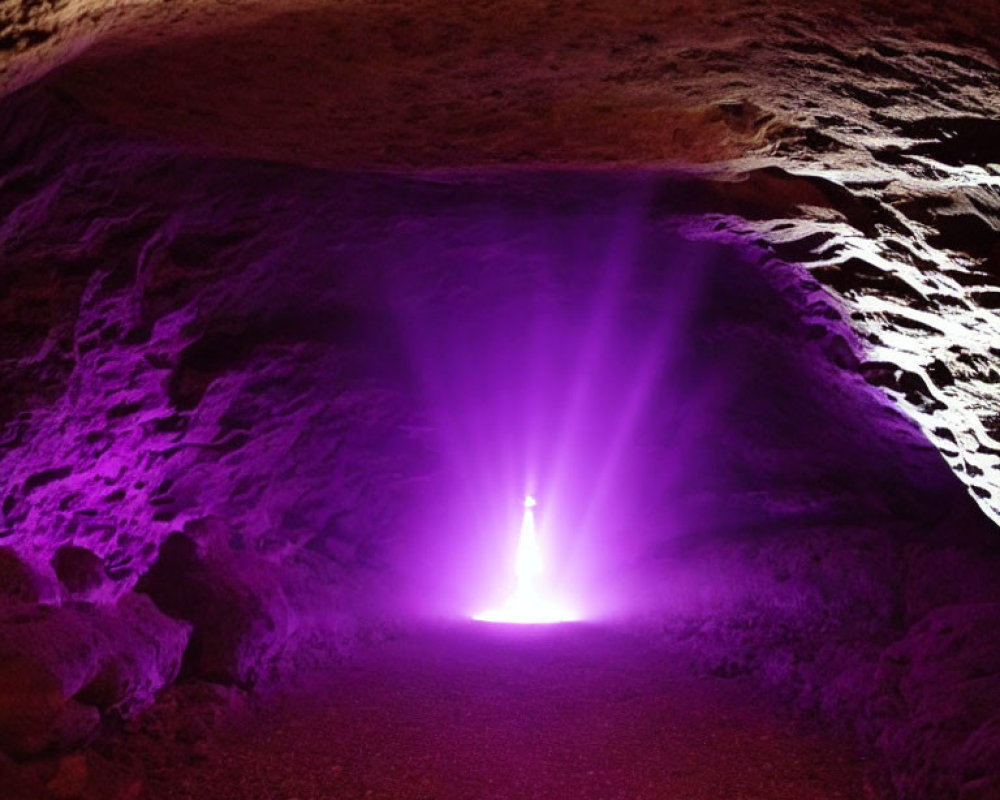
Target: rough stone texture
x=203, y=346
x=308, y=382
x=178, y=375
x=36, y=713
x=215, y=397
x=37, y=35
x=860, y=142
x=840, y=622
x=166, y=391
x=64, y=666
x=19, y=583
x=79, y=570
x=942, y=681
x=244, y=612
x=18, y=784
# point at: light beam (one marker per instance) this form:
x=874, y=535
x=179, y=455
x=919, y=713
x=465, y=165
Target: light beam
x=532, y=602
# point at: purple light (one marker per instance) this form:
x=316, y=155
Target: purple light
x=538, y=375
x=533, y=601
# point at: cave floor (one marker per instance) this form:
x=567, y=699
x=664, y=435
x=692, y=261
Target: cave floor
x=481, y=711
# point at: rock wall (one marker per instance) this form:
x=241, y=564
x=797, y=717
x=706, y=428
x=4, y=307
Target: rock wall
x=859, y=141
x=226, y=346
x=214, y=440
x=215, y=404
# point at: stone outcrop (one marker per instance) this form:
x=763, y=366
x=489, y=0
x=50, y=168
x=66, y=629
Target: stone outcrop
x=65, y=667
x=245, y=612
x=854, y=625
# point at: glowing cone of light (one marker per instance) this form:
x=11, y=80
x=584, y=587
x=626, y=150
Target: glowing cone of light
x=528, y=566
x=530, y=602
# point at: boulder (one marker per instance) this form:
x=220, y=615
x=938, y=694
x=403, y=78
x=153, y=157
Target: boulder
x=35, y=713
x=936, y=702
x=61, y=668
x=80, y=571
x=19, y=583
x=236, y=609
x=70, y=780
x=88, y=776
x=19, y=783
x=246, y=612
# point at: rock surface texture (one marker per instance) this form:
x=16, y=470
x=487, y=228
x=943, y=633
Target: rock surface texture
x=250, y=254
x=858, y=141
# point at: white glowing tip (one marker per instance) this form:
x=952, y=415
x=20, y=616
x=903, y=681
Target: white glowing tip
x=529, y=603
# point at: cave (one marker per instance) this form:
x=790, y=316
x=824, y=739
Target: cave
x=518, y=399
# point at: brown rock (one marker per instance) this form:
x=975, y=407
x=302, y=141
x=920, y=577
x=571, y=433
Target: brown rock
x=74, y=726
x=31, y=700
x=18, y=581
x=34, y=713
x=59, y=666
x=18, y=783
x=70, y=779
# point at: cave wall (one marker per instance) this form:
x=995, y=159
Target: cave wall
x=216, y=403
x=860, y=142
x=206, y=402
x=227, y=345
x=156, y=345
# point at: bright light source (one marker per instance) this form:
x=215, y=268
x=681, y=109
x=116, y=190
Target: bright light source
x=528, y=567
x=530, y=603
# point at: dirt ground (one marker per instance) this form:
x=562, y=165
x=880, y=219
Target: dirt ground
x=480, y=711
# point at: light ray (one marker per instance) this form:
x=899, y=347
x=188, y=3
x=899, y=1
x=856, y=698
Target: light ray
x=532, y=601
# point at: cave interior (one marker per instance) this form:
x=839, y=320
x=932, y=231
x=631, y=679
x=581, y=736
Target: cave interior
x=329, y=328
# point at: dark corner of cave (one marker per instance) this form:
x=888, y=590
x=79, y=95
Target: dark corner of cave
x=499, y=399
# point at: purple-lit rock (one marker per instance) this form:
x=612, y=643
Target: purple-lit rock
x=249, y=406
x=244, y=610
x=19, y=583
x=65, y=666
x=79, y=570
x=942, y=681
x=267, y=395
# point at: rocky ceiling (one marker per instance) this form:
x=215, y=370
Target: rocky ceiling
x=861, y=143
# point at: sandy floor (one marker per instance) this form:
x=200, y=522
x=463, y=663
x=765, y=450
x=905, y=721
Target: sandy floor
x=482, y=712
